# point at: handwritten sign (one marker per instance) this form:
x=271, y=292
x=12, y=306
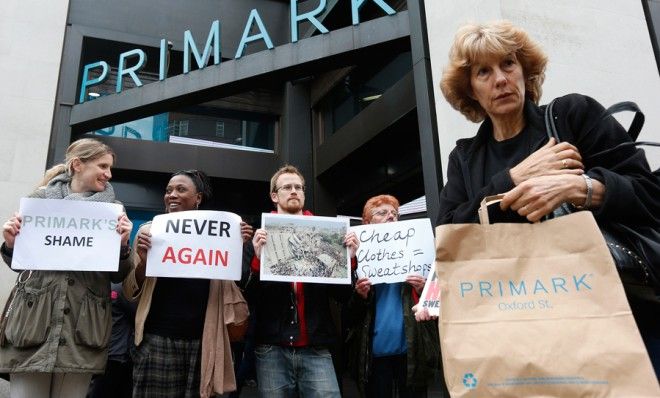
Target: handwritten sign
x=305, y=249
x=67, y=235
x=196, y=244
x=430, y=298
x=389, y=252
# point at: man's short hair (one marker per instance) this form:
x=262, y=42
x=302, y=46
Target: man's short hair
x=375, y=202
x=286, y=169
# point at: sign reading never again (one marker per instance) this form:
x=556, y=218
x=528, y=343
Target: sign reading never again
x=196, y=244
x=254, y=21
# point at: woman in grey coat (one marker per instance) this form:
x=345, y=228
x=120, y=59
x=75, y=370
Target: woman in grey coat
x=57, y=325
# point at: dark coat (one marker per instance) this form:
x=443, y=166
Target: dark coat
x=632, y=192
x=422, y=339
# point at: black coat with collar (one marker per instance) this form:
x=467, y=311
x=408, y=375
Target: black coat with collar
x=632, y=192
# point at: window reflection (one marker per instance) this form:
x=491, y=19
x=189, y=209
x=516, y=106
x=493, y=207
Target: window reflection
x=360, y=87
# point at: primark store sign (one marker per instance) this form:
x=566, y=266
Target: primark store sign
x=138, y=58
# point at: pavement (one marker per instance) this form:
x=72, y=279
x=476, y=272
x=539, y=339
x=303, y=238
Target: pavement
x=251, y=392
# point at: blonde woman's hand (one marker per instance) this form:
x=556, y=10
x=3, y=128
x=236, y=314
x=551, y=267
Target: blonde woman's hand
x=539, y=196
x=550, y=159
x=10, y=229
x=124, y=228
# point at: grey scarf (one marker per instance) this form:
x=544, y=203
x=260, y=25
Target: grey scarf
x=59, y=188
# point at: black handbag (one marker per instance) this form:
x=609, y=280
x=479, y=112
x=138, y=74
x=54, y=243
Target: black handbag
x=634, y=248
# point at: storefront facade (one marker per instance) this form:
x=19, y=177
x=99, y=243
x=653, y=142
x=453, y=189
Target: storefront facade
x=346, y=90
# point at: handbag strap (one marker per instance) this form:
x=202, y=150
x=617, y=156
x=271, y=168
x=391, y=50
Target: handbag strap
x=551, y=131
x=638, y=120
x=633, y=131
x=550, y=128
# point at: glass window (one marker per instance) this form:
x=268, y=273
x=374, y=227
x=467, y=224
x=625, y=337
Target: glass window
x=360, y=88
x=203, y=125
x=243, y=121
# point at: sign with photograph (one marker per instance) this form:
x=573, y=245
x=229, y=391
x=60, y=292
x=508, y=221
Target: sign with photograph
x=201, y=244
x=391, y=251
x=430, y=298
x=305, y=249
x=67, y=235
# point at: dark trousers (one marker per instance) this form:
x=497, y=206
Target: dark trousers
x=116, y=382
x=387, y=379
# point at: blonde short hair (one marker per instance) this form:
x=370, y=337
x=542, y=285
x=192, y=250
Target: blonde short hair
x=286, y=169
x=474, y=42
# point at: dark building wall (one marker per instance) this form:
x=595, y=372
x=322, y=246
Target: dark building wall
x=143, y=166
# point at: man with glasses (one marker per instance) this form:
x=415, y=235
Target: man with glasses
x=391, y=352
x=294, y=327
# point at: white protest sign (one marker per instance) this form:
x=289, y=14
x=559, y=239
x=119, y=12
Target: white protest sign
x=67, y=235
x=391, y=251
x=305, y=249
x=430, y=298
x=201, y=244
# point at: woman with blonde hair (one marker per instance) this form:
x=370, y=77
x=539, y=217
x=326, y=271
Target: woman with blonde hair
x=494, y=77
x=56, y=334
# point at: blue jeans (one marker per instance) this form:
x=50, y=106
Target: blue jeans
x=289, y=371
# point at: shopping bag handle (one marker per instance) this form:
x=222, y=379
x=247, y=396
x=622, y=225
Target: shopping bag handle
x=483, y=207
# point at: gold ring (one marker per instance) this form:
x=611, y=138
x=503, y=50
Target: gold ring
x=564, y=163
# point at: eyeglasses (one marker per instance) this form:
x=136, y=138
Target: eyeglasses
x=291, y=187
x=384, y=213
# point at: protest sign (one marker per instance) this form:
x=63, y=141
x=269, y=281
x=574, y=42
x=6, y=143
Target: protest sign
x=430, y=298
x=305, y=249
x=391, y=251
x=67, y=235
x=201, y=244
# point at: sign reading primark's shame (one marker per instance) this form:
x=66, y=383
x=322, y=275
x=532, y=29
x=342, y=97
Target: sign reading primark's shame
x=213, y=45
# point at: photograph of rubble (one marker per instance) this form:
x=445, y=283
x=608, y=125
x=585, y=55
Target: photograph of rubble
x=305, y=249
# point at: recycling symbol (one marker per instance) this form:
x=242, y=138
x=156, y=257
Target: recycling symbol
x=469, y=380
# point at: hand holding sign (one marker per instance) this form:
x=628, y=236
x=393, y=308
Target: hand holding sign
x=351, y=241
x=429, y=302
x=417, y=282
x=124, y=228
x=362, y=287
x=10, y=229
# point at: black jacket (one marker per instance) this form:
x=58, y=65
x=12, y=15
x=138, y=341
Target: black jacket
x=632, y=192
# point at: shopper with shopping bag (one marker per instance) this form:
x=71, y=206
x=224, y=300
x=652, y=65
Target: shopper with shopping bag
x=494, y=76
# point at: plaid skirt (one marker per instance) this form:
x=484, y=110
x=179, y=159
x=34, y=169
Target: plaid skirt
x=166, y=367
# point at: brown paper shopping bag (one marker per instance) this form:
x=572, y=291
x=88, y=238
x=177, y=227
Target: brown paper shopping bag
x=533, y=310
